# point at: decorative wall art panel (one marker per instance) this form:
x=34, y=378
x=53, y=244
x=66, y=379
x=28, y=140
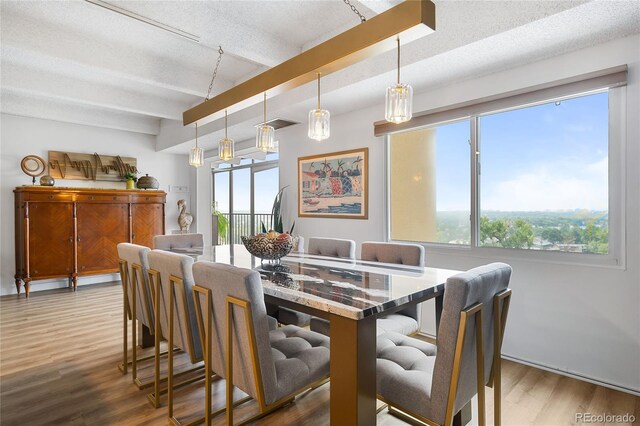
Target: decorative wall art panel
x=334, y=185
x=79, y=166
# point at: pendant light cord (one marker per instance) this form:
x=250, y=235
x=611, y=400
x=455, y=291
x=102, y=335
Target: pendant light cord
x=398, y=41
x=265, y=109
x=225, y=124
x=196, y=134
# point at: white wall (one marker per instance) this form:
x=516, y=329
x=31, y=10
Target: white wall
x=584, y=320
x=22, y=136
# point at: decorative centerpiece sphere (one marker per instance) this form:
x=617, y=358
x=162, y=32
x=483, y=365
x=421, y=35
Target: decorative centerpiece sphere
x=269, y=246
x=148, y=182
x=47, y=180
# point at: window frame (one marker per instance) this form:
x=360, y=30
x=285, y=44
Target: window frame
x=615, y=258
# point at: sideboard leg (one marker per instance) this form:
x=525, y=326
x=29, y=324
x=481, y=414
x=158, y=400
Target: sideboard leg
x=75, y=283
x=18, y=283
x=27, y=286
x=70, y=282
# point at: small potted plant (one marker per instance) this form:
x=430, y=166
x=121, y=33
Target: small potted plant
x=131, y=179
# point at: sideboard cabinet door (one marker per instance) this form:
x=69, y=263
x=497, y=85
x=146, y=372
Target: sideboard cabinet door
x=50, y=239
x=147, y=222
x=100, y=228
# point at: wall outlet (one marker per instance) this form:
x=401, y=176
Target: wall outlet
x=178, y=188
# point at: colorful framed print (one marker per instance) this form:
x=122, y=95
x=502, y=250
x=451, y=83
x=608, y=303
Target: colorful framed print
x=334, y=185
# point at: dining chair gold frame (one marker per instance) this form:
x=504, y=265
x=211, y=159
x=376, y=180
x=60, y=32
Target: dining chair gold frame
x=154, y=397
x=264, y=409
x=499, y=322
x=130, y=314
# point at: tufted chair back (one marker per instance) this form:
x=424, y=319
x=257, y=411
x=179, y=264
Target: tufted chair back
x=403, y=254
x=134, y=254
x=478, y=285
x=185, y=326
x=167, y=242
x=333, y=247
x=244, y=284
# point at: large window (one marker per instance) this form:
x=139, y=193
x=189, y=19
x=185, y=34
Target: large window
x=537, y=177
x=430, y=177
x=544, y=176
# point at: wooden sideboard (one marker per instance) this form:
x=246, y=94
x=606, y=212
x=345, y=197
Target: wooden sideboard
x=71, y=232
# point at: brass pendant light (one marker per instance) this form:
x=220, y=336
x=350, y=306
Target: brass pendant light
x=196, y=154
x=265, y=134
x=399, y=99
x=319, y=121
x=226, y=149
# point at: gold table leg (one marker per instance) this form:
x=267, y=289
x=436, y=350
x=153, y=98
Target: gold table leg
x=353, y=371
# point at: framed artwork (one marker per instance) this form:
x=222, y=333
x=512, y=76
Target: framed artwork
x=334, y=185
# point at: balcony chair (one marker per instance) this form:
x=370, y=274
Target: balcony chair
x=168, y=242
x=171, y=277
x=405, y=321
x=431, y=389
x=332, y=247
x=270, y=366
x=134, y=267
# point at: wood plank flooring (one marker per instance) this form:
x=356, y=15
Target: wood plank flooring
x=59, y=351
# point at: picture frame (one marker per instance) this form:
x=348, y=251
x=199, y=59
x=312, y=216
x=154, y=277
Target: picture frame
x=334, y=185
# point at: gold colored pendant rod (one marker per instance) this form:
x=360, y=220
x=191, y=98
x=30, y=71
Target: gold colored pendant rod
x=196, y=134
x=265, y=109
x=225, y=124
x=411, y=19
x=398, y=39
x=318, y=91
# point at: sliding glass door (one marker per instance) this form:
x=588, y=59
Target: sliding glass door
x=244, y=194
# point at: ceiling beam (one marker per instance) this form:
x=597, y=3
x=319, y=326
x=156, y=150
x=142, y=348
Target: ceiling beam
x=23, y=79
x=410, y=19
x=27, y=106
x=45, y=40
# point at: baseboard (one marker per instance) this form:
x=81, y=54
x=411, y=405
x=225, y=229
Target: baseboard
x=577, y=376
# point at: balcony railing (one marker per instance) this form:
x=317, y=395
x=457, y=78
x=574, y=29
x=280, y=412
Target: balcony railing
x=240, y=225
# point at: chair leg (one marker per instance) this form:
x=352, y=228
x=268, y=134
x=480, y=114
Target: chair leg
x=480, y=369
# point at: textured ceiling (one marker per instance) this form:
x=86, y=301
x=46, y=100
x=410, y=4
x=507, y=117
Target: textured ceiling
x=77, y=62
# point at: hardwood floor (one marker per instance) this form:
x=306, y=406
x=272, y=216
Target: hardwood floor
x=59, y=352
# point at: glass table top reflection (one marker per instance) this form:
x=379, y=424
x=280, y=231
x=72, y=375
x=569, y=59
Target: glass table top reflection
x=350, y=288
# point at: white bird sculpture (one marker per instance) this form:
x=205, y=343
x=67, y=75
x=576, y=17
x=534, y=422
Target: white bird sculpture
x=184, y=219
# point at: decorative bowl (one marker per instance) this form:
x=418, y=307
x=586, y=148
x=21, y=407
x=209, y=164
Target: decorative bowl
x=271, y=246
x=148, y=182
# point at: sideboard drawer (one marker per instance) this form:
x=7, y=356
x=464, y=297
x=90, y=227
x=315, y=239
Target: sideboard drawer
x=50, y=197
x=104, y=198
x=139, y=198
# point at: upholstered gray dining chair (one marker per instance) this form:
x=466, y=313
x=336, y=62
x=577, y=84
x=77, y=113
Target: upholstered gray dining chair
x=405, y=321
x=170, y=274
x=332, y=247
x=168, y=242
x=134, y=267
x=270, y=366
x=433, y=388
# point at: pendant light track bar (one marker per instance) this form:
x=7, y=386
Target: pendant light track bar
x=410, y=20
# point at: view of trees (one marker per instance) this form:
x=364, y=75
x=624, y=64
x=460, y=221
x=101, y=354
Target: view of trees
x=580, y=231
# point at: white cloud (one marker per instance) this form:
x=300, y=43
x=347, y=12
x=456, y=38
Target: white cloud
x=563, y=186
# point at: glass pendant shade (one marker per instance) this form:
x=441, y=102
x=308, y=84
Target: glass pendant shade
x=319, y=124
x=265, y=138
x=399, y=103
x=196, y=156
x=226, y=149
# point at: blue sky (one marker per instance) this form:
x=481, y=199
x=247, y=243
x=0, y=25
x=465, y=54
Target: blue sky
x=266, y=188
x=546, y=157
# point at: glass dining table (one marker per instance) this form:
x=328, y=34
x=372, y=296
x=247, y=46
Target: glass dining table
x=351, y=294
